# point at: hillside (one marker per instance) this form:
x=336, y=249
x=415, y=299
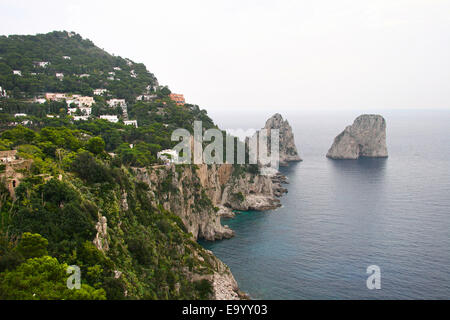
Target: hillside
x=69, y=191
x=73, y=56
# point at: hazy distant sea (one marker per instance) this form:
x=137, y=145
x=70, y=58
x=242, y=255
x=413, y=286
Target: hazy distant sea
x=342, y=216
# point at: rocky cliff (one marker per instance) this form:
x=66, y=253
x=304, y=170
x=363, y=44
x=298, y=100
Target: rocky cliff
x=365, y=138
x=288, y=149
x=201, y=195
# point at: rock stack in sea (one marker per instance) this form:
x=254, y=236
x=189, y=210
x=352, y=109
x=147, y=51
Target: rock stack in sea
x=288, y=149
x=365, y=138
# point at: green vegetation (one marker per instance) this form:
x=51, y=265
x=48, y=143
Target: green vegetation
x=81, y=172
x=23, y=52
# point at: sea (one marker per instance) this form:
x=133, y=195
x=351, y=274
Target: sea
x=341, y=217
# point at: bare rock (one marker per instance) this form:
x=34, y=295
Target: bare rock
x=365, y=138
x=288, y=149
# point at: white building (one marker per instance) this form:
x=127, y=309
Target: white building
x=117, y=68
x=86, y=101
x=17, y=72
x=113, y=119
x=146, y=97
x=42, y=64
x=80, y=101
x=3, y=93
x=81, y=118
x=131, y=123
x=84, y=75
x=67, y=58
x=133, y=74
x=55, y=96
x=168, y=156
x=117, y=103
x=40, y=100
x=84, y=110
x=17, y=115
x=60, y=76
x=100, y=92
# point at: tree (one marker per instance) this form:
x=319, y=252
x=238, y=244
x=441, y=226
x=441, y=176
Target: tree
x=96, y=145
x=32, y=245
x=43, y=278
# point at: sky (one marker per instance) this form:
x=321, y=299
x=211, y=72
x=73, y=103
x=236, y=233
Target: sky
x=234, y=54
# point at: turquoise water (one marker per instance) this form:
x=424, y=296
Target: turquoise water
x=340, y=217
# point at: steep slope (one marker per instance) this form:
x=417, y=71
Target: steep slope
x=85, y=67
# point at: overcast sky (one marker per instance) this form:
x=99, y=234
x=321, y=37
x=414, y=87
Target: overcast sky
x=268, y=54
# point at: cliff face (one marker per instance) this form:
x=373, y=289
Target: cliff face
x=288, y=149
x=365, y=138
x=201, y=195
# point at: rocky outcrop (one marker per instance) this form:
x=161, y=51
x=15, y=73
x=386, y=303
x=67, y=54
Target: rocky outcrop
x=200, y=195
x=224, y=285
x=365, y=138
x=101, y=238
x=288, y=149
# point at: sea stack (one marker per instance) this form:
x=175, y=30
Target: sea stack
x=288, y=149
x=365, y=138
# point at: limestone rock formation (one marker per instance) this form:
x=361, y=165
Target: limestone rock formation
x=365, y=138
x=200, y=195
x=101, y=238
x=288, y=149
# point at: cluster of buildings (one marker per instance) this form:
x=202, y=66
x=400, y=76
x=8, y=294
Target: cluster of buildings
x=178, y=99
x=78, y=100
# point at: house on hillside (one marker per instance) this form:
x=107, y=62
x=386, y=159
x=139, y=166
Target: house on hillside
x=117, y=103
x=168, y=156
x=113, y=119
x=80, y=101
x=86, y=101
x=40, y=100
x=17, y=73
x=80, y=118
x=67, y=58
x=84, y=110
x=99, y=92
x=42, y=64
x=178, y=98
x=18, y=115
x=55, y=96
x=59, y=75
x=131, y=123
x=146, y=97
